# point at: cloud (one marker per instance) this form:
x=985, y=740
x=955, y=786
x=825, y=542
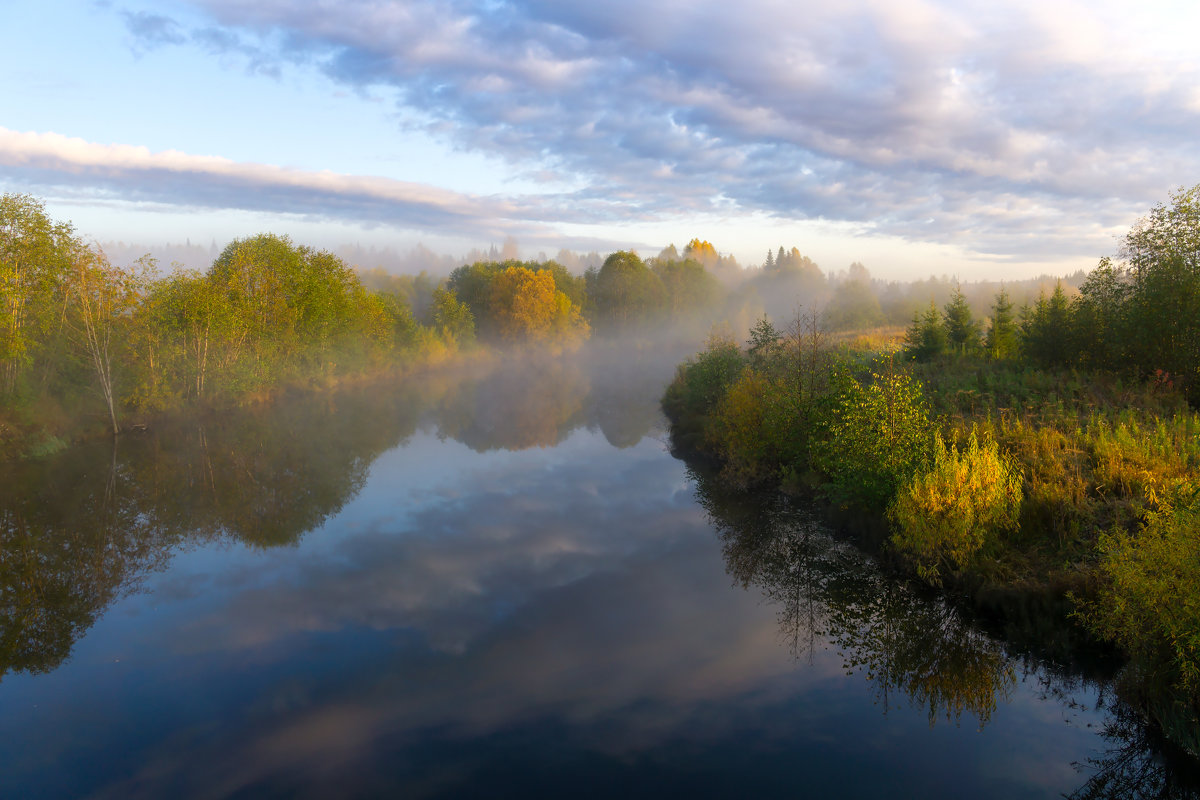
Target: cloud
x=957, y=122
x=153, y=30
x=209, y=181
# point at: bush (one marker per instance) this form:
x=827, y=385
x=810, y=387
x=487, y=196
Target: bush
x=945, y=515
x=875, y=437
x=700, y=384
x=757, y=428
x=1152, y=600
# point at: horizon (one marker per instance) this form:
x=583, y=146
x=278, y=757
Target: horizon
x=917, y=138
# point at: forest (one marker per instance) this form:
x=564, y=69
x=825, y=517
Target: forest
x=1049, y=448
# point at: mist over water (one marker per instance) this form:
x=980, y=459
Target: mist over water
x=495, y=581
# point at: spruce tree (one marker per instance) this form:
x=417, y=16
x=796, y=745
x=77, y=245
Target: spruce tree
x=962, y=330
x=1002, y=335
x=926, y=337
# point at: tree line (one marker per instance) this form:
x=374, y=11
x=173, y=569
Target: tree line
x=79, y=333
x=1138, y=313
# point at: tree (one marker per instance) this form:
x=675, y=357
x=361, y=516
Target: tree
x=625, y=291
x=687, y=285
x=1099, y=315
x=853, y=306
x=1046, y=329
x=35, y=261
x=526, y=306
x=1002, y=336
x=1163, y=307
x=765, y=345
x=105, y=296
x=962, y=331
x=703, y=252
x=878, y=436
x=472, y=286
x=453, y=319
x=926, y=336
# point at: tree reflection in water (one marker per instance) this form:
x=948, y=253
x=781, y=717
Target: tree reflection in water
x=1137, y=764
x=73, y=538
x=919, y=648
x=915, y=646
x=81, y=529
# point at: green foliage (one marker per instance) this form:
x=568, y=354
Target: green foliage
x=1151, y=604
x=945, y=514
x=687, y=286
x=415, y=291
x=625, y=292
x=700, y=384
x=756, y=428
x=765, y=345
x=1163, y=302
x=453, y=319
x=877, y=435
x=962, y=330
x=471, y=285
x=1046, y=330
x=1003, y=337
x=36, y=255
x=853, y=306
x=288, y=310
x=1099, y=316
x=926, y=338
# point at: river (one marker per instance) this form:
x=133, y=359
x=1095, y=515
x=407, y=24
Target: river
x=496, y=583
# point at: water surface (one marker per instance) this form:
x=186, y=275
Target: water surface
x=496, y=584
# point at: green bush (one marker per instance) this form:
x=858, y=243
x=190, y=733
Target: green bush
x=700, y=384
x=1152, y=599
x=876, y=436
x=946, y=514
x=757, y=428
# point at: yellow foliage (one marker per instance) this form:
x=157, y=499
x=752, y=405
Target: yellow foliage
x=948, y=513
x=527, y=307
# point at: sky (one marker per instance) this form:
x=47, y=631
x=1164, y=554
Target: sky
x=973, y=138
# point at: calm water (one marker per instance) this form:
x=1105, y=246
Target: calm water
x=490, y=586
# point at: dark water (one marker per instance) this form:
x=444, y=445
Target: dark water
x=500, y=585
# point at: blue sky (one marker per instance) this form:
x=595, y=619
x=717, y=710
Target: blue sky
x=972, y=138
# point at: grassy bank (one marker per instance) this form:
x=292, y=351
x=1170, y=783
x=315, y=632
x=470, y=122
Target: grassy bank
x=992, y=475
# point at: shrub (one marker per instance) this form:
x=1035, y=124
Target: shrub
x=945, y=515
x=757, y=428
x=875, y=437
x=1152, y=600
x=700, y=384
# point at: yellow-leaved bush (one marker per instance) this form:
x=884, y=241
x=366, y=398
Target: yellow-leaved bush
x=947, y=513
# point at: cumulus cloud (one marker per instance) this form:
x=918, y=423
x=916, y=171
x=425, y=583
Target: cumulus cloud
x=954, y=122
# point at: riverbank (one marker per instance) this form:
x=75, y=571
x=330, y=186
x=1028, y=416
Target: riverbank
x=1001, y=482
x=48, y=425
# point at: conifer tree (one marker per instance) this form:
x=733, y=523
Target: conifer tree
x=1046, y=329
x=1002, y=335
x=962, y=330
x=926, y=337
